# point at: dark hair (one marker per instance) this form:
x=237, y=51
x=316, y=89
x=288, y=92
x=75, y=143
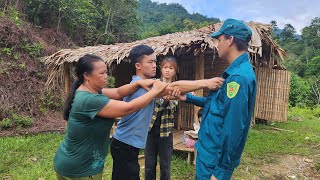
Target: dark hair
x=137, y=53
x=174, y=63
x=241, y=45
x=84, y=65
x=200, y=112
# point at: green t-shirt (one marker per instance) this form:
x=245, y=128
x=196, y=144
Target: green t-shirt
x=85, y=146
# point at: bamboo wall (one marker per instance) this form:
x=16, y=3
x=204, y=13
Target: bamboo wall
x=188, y=66
x=272, y=95
x=213, y=67
x=185, y=116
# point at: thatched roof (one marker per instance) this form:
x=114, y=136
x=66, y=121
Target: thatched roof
x=195, y=41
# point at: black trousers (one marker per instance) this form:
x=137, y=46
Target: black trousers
x=125, y=161
x=158, y=146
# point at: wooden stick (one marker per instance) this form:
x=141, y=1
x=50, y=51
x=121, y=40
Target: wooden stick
x=279, y=129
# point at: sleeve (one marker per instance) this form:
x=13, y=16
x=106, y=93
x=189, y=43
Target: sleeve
x=196, y=100
x=172, y=105
x=94, y=104
x=235, y=121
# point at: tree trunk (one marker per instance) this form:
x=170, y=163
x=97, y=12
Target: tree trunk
x=59, y=17
x=107, y=24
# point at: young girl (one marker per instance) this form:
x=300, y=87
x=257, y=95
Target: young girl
x=160, y=137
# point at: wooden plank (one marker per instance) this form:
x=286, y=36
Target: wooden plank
x=185, y=113
x=199, y=74
x=179, y=116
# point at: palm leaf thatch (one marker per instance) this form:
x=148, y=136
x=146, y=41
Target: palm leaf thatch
x=262, y=47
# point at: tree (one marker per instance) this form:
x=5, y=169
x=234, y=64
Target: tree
x=274, y=24
x=189, y=24
x=300, y=91
x=294, y=64
x=88, y=22
x=288, y=33
x=311, y=35
x=315, y=85
x=275, y=30
x=313, y=67
x=161, y=18
x=122, y=20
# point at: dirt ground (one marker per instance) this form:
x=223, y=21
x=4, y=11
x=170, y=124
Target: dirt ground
x=290, y=167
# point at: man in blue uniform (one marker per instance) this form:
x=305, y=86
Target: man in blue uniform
x=227, y=111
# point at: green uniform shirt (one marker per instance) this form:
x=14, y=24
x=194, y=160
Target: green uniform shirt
x=85, y=146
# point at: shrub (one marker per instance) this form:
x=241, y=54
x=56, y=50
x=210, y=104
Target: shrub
x=111, y=82
x=300, y=92
x=6, y=123
x=22, y=121
x=33, y=49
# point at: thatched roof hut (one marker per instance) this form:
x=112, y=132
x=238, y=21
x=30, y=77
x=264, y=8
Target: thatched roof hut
x=195, y=41
x=194, y=47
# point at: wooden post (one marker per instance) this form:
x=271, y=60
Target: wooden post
x=67, y=79
x=255, y=110
x=179, y=117
x=199, y=75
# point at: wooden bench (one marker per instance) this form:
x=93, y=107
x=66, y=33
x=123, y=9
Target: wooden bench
x=178, y=145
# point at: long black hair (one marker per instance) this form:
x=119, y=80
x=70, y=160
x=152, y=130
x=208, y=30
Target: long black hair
x=84, y=65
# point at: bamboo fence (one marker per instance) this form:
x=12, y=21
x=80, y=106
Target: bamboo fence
x=272, y=95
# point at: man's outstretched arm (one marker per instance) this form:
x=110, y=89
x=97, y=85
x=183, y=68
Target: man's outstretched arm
x=186, y=86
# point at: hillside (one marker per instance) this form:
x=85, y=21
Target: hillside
x=161, y=18
x=22, y=74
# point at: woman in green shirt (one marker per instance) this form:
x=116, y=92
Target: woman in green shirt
x=90, y=110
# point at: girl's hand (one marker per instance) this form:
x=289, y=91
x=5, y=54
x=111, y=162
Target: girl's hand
x=176, y=93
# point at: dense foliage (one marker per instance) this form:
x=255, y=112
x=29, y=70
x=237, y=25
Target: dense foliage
x=88, y=22
x=303, y=61
x=91, y=22
x=160, y=18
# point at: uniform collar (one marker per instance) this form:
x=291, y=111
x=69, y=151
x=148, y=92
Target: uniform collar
x=241, y=59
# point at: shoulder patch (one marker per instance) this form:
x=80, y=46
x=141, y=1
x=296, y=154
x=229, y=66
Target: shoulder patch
x=232, y=89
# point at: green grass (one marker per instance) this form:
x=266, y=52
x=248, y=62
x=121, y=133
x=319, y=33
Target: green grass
x=266, y=145
x=264, y=140
x=31, y=157
x=28, y=157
